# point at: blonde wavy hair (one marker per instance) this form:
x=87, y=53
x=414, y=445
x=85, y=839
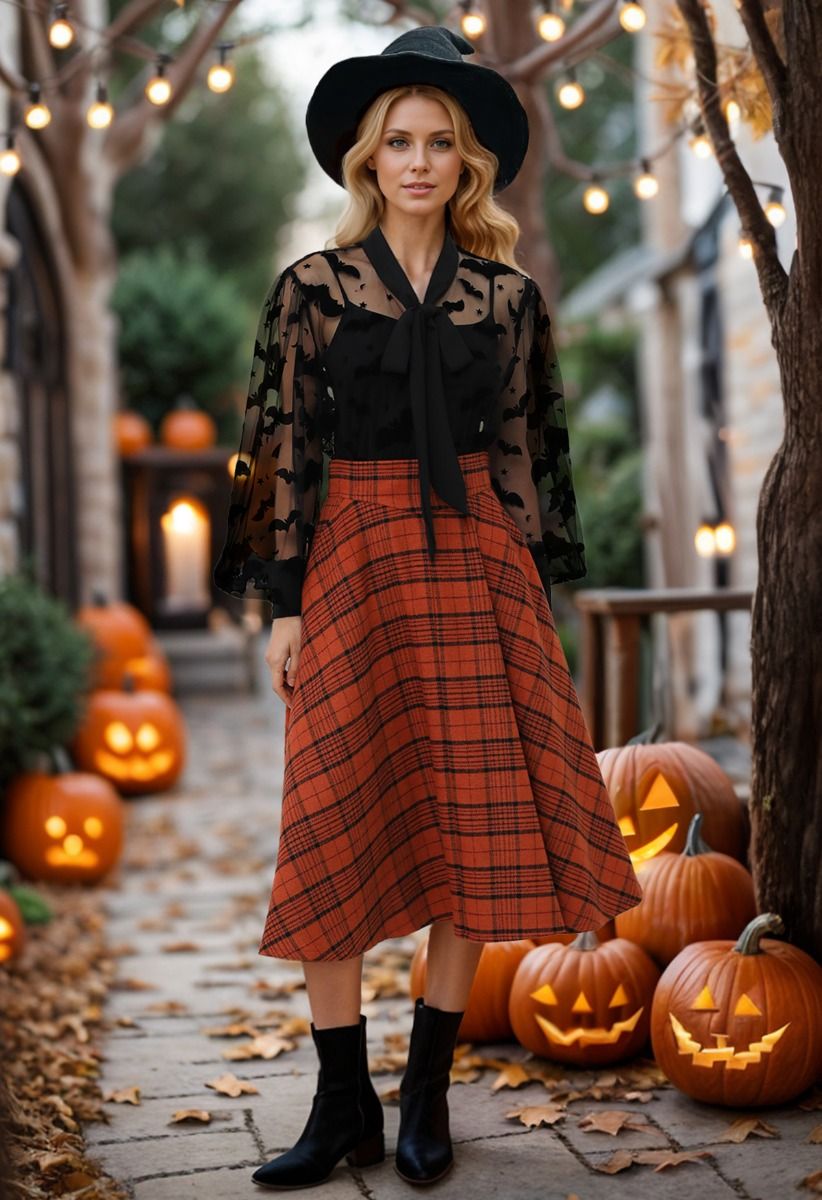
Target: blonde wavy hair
x=478, y=224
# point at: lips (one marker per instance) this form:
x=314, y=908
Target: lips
x=416, y=187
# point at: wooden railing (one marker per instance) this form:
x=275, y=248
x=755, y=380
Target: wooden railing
x=612, y=621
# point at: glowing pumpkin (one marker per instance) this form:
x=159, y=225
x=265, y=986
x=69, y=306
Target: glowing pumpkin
x=588, y=1002
x=12, y=928
x=740, y=1023
x=120, y=632
x=132, y=432
x=149, y=671
x=486, y=1012
x=64, y=828
x=188, y=429
x=688, y=897
x=656, y=787
x=135, y=739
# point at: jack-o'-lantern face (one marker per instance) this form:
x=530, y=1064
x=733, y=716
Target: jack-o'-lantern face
x=8, y=934
x=73, y=848
x=732, y=1057
x=589, y=1033
x=135, y=739
x=587, y=1002
x=133, y=755
x=651, y=826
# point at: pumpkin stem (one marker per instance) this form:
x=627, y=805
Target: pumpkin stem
x=646, y=735
x=61, y=760
x=127, y=682
x=748, y=940
x=694, y=842
x=587, y=940
x=99, y=599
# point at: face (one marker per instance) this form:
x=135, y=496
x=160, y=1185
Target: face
x=417, y=146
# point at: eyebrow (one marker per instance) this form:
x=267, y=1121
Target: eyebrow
x=435, y=131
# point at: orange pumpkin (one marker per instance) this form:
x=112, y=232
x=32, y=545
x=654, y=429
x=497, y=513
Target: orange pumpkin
x=587, y=1003
x=188, y=429
x=119, y=631
x=604, y=933
x=740, y=1023
x=486, y=1012
x=132, y=432
x=12, y=928
x=656, y=787
x=688, y=897
x=135, y=739
x=150, y=671
x=63, y=828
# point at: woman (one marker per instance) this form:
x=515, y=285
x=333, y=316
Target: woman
x=405, y=425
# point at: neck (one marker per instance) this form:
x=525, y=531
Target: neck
x=415, y=241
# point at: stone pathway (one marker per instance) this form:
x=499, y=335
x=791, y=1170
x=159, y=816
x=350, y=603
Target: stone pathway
x=195, y=880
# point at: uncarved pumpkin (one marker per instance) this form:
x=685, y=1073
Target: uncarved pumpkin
x=132, y=432
x=119, y=631
x=486, y=1012
x=740, y=1023
x=188, y=429
x=135, y=739
x=587, y=1003
x=688, y=897
x=656, y=787
x=63, y=828
x=12, y=928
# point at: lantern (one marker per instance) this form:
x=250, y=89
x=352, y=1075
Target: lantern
x=486, y=1012
x=656, y=787
x=740, y=1023
x=688, y=897
x=588, y=1002
x=63, y=828
x=12, y=928
x=135, y=739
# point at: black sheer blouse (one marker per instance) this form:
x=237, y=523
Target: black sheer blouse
x=350, y=363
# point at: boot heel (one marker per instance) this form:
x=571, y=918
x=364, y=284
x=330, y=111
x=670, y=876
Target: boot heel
x=370, y=1150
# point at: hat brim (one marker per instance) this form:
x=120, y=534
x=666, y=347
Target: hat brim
x=347, y=88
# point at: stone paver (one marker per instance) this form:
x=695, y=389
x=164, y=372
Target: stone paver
x=198, y=869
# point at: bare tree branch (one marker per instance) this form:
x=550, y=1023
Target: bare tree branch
x=42, y=58
x=127, y=136
x=593, y=29
x=772, y=276
x=767, y=57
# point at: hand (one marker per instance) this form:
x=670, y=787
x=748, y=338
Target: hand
x=284, y=644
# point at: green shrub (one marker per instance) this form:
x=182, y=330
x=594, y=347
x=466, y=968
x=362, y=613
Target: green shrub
x=45, y=673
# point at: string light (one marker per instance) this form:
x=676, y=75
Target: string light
x=631, y=16
x=472, y=22
x=595, y=198
x=100, y=113
x=61, y=31
x=570, y=91
x=745, y=246
x=731, y=110
x=715, y=541
x=700, y=143
x=10, y=162
x=550, y=25
x=646, y=184
x=221, y=74
x=774, y=208
x=36, y=114
x=158, y=89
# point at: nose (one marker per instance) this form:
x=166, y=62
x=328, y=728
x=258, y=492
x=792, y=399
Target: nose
x=420, y=158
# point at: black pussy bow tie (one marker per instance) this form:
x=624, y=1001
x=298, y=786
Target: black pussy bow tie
x=422, y=340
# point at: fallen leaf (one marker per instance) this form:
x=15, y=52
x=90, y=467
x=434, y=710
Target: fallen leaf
x=167, y=1006
x=179, y=947
x=512, y=1075
x=812, y=1182
x=230, y=1085
x=190, y=1114
x=815, y=1135
x=126, y=1095
x=129, y=984
x=237, y=1029
x=267, y=1045
x=742, y=1127
x=613, y=1120
x=538, y=1114
x=668, y=1158
x=618, y=1161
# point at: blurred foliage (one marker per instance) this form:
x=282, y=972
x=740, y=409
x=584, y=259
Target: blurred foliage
x=183, y=330
x=45, y=672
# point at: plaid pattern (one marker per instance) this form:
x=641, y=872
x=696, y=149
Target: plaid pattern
x=437, y=762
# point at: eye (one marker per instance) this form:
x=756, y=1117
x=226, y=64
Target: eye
x=443, y=142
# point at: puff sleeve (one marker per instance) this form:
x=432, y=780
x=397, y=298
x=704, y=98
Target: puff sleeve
x=530, y=459
x=276, y=485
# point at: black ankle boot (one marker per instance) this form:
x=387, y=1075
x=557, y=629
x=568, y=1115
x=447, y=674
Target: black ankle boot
x=424, y=1151
x=344, y=1118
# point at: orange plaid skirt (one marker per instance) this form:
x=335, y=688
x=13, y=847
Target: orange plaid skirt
x=437, y=762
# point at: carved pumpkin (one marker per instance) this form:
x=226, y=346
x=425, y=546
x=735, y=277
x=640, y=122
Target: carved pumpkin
x=120, y=632
x=486, y=1016
x=149, y=671
x=588, y=1002
x=688, y=897
x=740, y=1023
x=135, y=739
x=12, y=928
x=188, y=429
x=132, y=432
x=656, y=787
x=63, y=828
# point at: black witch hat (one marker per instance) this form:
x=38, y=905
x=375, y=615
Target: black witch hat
x=431, y=54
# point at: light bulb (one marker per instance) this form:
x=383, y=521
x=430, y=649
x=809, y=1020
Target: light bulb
x=473, y=24
x=570, y=93
x=632, y=17
x=220, y=77
x=550, y=27
x=595, y=198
